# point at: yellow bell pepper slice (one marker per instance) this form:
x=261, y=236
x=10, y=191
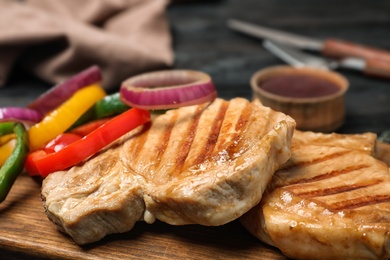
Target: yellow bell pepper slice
x=61, y=118
x=6, y=150
x=5, y=138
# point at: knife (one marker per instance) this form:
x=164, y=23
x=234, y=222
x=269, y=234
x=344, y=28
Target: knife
x=297, y=58
x=377, y=61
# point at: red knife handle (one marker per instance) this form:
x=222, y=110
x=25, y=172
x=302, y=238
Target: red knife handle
x=377, y=68
x=341, y=49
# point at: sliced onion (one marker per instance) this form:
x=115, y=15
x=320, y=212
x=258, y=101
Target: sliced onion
x=20, y=114
x=56, y=95
x=168, y=89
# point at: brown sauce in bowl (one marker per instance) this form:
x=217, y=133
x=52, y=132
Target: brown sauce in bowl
x=299, y=86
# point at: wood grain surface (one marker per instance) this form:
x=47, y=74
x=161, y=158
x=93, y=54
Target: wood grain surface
x=26, y=232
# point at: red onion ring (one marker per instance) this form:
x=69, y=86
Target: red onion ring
x=56, y=95
x=168, y=89
x=20, y=114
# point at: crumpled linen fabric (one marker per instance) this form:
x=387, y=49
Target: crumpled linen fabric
x=55, y=39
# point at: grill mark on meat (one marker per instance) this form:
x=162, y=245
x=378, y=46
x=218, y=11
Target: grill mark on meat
x=336, y=190
x=366, y=200
x=167, y=173
x=244, y=118
x=137, y=146
x=165, y=135
x=349, y=193
x=330, y=174
x=295, y=165
x=233, y=146
x=185, y=148
x=295, y=185
x=213, y=135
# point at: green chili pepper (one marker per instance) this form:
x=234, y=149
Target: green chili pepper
x=6, y=128
x=108, y=106
x=14, y=165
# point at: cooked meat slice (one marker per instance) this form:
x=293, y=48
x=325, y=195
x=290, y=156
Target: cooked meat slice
x=326, y=202
x=363, y=142
x=206, y=164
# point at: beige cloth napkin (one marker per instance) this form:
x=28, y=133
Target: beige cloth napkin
x=55, y=39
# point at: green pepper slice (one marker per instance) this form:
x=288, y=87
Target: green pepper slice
x=110, y=105
x=14, y=165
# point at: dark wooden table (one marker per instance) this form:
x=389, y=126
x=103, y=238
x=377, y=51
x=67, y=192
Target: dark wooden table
x=203, y=42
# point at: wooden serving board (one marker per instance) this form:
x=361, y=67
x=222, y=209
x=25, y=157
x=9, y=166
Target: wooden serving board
x=27, y=233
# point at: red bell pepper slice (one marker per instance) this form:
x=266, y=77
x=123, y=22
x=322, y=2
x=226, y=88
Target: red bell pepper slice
x=89, y=127
x=42, y=163
x=61, y=141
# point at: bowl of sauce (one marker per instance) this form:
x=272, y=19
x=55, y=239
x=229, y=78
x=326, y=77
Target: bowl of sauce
x=313, y=97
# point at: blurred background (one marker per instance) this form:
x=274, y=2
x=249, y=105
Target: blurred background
x=201, y=40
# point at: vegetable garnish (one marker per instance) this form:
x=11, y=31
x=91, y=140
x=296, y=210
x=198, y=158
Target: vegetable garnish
x=86, y=128
x=61, y=141
x=6, y=150
x=20, y=114
x=14, y=164
x=61, y=92
x=6, y=137
x=61, y=118
x=110, y=105
x=168, y=89
x=42, y=163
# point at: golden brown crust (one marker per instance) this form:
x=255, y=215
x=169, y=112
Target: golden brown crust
x=206, y=164
x=328, y=201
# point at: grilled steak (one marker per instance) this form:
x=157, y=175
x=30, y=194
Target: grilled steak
x=331, y=200
x=206, y=164
x=361, y=142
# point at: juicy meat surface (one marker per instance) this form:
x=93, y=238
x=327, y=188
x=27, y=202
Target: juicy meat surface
x=361, y=142
x=206, y=164
x=331, y=200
